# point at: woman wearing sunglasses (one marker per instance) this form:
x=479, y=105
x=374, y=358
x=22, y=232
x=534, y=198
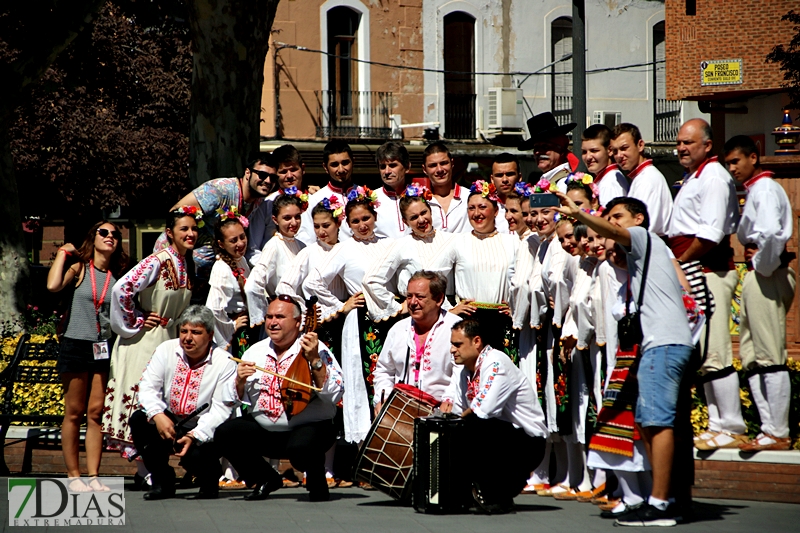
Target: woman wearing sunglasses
x=83, y=359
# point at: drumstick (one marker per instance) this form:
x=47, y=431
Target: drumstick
x=271, y=373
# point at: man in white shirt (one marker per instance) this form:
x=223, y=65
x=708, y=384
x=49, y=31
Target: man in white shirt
x=449, y=202
x=416, y=349
x=337, y=160
x=596, y=156
x=267, y=430
x=393, y=164
x=505, y=174
x=183, y=375
x=767, y=292
x=502, y=418
x=647, y=182
x=550, y=146
x=704, y=215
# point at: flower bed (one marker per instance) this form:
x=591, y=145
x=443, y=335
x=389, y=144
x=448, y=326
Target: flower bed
x=37, y=399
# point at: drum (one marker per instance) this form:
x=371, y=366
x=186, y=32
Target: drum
x=386, y=458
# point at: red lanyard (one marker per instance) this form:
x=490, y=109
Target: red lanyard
x=98, y=304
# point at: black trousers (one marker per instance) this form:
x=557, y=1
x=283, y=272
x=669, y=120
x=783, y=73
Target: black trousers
x=244, y=443
x=500, y=457
x=202, y=460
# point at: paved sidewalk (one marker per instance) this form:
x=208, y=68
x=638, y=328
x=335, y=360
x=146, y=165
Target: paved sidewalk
x=358, y=511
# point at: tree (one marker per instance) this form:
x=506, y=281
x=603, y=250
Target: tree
x=789, y=59
x=32, y=34
x=108, y=124
x=230, y=40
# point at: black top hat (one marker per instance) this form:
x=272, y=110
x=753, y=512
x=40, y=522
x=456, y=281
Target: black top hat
x=544, y=126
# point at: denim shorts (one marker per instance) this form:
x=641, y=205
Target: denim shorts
x=660, y=371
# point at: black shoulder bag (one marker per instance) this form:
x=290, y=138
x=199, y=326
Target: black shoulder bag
x=629, y=328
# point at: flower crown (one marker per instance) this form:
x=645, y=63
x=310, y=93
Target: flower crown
x=294, y=191
x=415, y=190
x=333, y=205
x=485, y=189
x=584, y=179
x=232, y=213
x=192, y=211
x=523, y=189
x=544, y=186
x=359, y=193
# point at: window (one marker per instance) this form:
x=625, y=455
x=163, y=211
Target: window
x=667, y=114
x=561, y=79
x=691, y=8
x=459, y=89
x=342, y=76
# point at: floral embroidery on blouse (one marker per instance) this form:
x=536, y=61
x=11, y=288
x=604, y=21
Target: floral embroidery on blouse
x=185, y=388
x=473, y=385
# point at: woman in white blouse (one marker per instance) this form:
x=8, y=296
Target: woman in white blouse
x=361, y=337
x=226, y=297
x=424, y=249
x=277, y=255
x=483, y=264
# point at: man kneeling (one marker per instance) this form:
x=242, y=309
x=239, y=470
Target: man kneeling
x=266, y=430
x=183, y=375
x=502, y=415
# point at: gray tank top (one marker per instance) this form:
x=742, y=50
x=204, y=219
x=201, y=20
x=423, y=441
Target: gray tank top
x=82, y=320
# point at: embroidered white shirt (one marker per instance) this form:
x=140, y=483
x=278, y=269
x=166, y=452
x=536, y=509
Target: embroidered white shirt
x=275, y=261
x=455, y=220
x=502, y=391
x=389, y=222
x=306, y=233
x=225, y=299
x=168, y=383
x=397, y=360
x=649, y=185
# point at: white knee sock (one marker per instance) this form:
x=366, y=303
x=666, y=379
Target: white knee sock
x=542, y=473
x=758, y=392
x=599, y=478
x=779, y=393
x=578, y=473
x=714, y=422
x=329, y=460
x=141, y=469
x=726, y=393
x=562, y=462
x=228, y=472
x=629, y=483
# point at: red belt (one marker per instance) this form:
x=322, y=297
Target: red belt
x=718, y=259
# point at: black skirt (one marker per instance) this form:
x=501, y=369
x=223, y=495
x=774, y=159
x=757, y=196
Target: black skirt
x=76, y=355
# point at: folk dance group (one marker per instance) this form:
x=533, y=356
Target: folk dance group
x=557, y=330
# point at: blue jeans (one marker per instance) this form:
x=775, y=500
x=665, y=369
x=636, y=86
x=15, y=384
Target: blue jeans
x=660, y=371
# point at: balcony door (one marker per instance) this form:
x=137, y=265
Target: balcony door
x=459, y=89
x=561, y=79
x=342, y=100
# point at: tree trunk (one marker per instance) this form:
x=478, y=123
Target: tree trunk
x=47, y=31
x=230, y=40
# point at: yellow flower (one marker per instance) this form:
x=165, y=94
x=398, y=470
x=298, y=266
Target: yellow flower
x=553, y=187
x=737, y=364
x=587, y=179
x=485, y=188
x=745, y=397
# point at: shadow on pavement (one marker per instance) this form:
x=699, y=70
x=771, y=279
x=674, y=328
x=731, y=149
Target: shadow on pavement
x=708, y=512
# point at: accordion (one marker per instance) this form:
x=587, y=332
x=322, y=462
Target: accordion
x=440, y=482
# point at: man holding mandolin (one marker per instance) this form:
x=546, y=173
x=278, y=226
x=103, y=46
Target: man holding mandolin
x=291, y=385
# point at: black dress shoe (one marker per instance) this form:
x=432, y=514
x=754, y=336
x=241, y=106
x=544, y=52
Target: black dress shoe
x=159, y=493
x=206, y=494
x=262, y=492
x=503, y=507
x=321, y=494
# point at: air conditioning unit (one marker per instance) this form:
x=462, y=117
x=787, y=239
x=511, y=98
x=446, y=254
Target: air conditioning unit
x=609, y=118
x=505, y=109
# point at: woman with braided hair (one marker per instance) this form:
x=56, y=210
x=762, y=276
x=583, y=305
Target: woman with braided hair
x=226, y=297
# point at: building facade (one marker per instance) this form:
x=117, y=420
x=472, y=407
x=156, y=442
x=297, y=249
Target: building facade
x=473, y=68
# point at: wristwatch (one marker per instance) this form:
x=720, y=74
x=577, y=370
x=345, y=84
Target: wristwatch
x=317, y=365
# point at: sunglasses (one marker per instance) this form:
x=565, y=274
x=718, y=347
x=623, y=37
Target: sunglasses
x=103, y=232
x=289, y=299
x=263, y=175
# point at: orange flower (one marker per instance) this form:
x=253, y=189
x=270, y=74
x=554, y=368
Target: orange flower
x=370, y=336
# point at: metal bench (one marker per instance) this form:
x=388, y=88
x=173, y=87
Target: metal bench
x=29, y=375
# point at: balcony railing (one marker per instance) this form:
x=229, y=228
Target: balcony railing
x=353, y=114
x=668, y=120
x=562, y=109
x=459, y=116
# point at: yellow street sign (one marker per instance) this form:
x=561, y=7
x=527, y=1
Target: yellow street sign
x=721, y=72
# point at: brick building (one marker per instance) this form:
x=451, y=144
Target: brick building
x=731, y=39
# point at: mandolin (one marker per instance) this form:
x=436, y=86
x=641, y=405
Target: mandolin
x=295, y=397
